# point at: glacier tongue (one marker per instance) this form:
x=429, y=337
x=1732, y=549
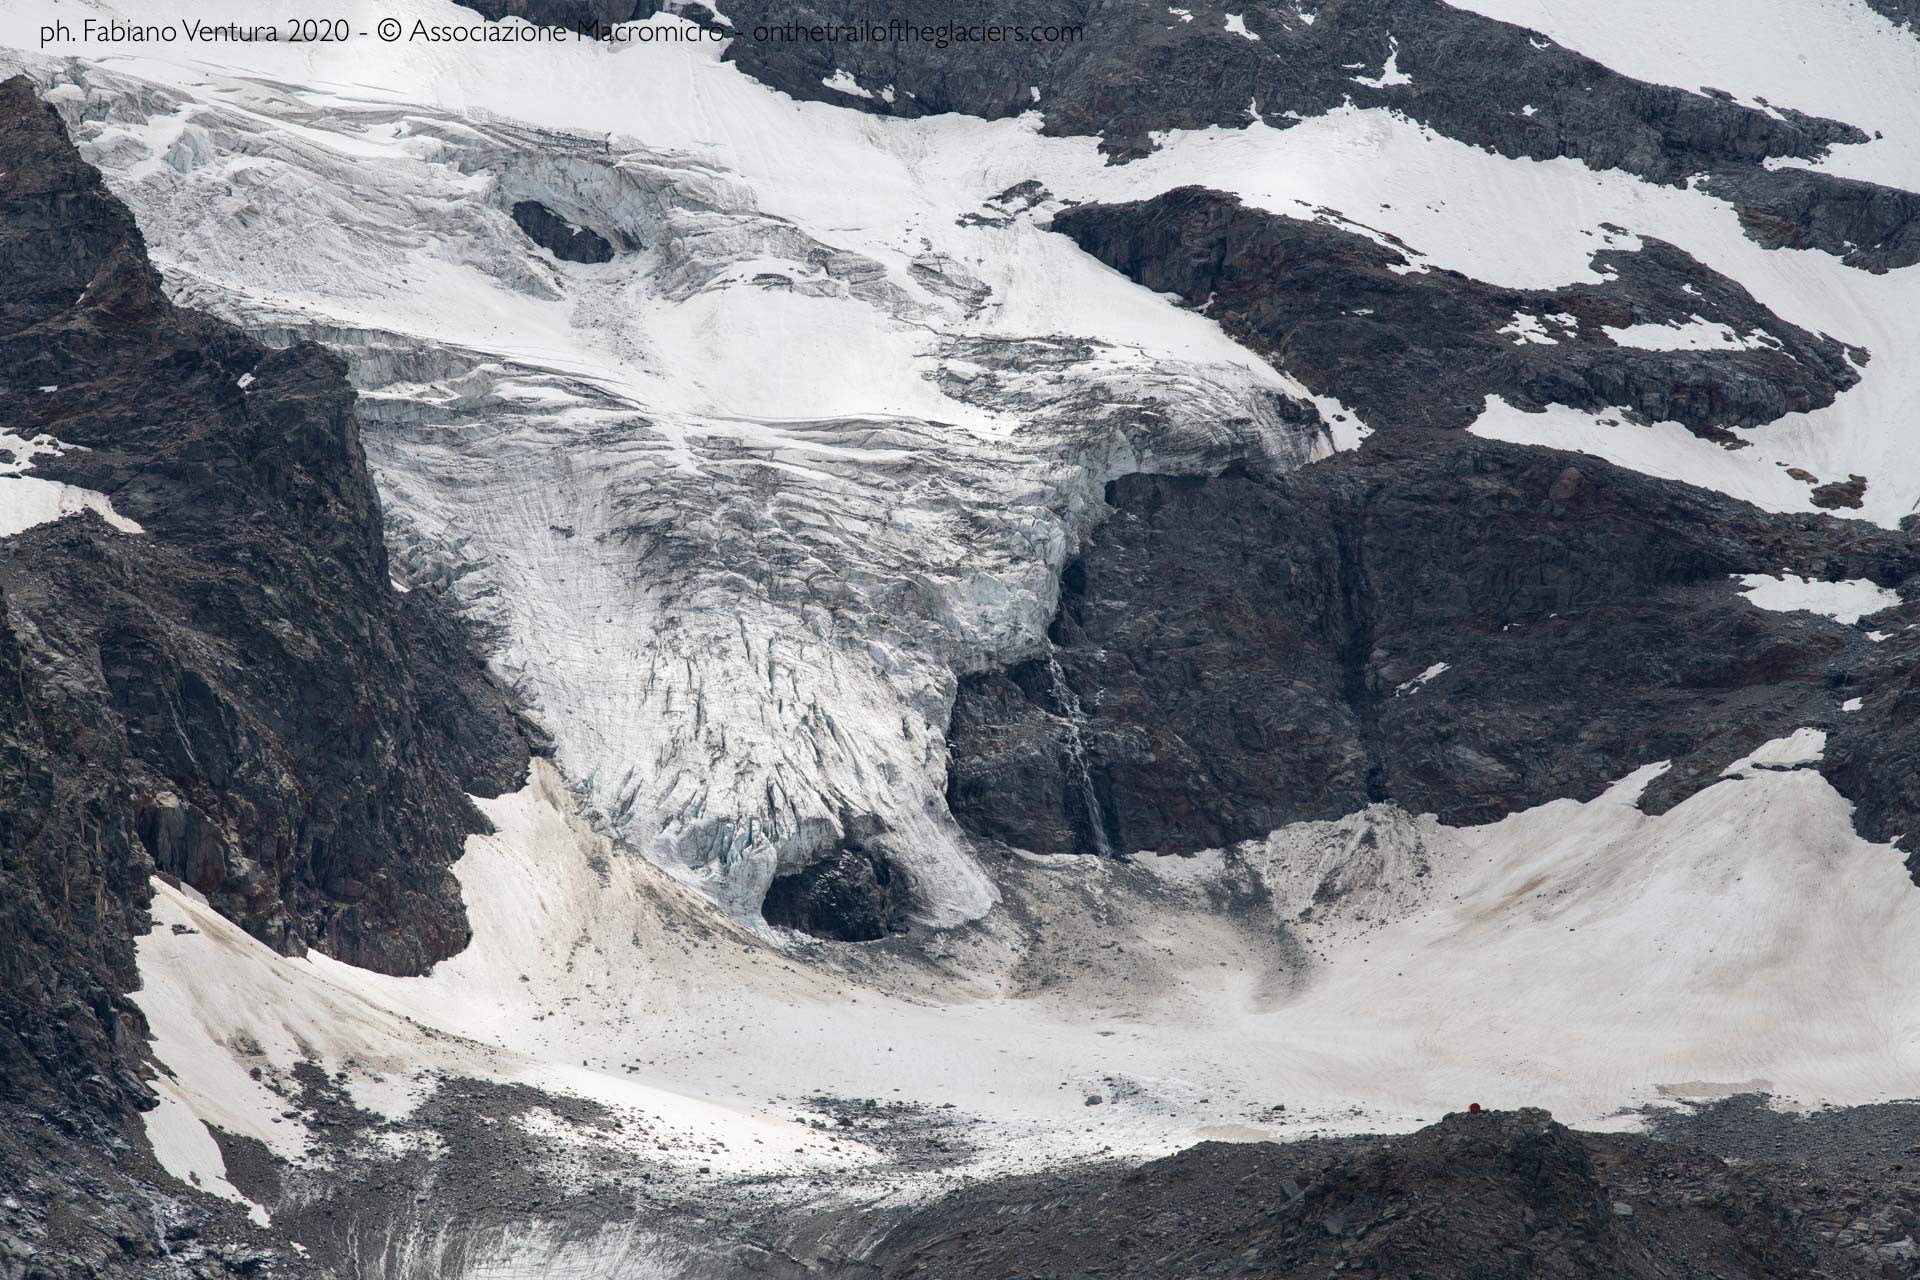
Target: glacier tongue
x=736, y=504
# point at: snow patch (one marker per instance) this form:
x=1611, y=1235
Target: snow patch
x=1390, y=74
x=1847, y=601
x=186, y=1150
x=1425, y=677
x=1433, y=963
x=1694, y=334
x=1526, y=328
x=26, y=501
x=842, y=81
x=1799, y=749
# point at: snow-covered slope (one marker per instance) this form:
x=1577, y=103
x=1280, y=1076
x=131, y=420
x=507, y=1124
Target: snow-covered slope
x=1378, y=970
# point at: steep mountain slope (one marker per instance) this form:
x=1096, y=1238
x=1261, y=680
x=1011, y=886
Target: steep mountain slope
x=1463, y=628
x=1248, y=573
x=1480, y=1195
x=209, y=678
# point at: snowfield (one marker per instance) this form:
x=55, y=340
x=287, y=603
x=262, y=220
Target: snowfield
x=1584, y=957
x=1842, y=601
x=26, y=500
x=740, y=505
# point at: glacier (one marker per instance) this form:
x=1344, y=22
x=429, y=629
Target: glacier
x=737, y=508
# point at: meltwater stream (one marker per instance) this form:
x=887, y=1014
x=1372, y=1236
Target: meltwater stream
x=1069, y=703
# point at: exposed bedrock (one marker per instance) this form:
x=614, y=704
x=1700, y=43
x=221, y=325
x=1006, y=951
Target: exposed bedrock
x=231, y=695
x=220, y=686
x=1352, y=317
x=558, y=236
x=1457, y=626
x=1136, y=69
x=1904, y=13
x=1869, y=226
x=1490, y=1196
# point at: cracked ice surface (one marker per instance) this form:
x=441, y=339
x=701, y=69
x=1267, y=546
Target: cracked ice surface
x=738, y=505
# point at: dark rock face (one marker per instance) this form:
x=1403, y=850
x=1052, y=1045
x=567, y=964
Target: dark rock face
x=853, y=894
x=1874, y=757
x=73, y=893
x=1867, y=225
x=1840, y=493
x=230, y=697
x=558, y=236
x=1016, y=776
x=234, y=697
x=1248, y=651
x=1344, y=314
x=1136, y=69
x=1905, y=13
x=1486, y=1196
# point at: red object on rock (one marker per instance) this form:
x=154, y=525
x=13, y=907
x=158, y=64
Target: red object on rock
x=1473, y=1109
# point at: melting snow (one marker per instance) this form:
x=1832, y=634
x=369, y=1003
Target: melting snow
x=187, y=1150
x=1797, y=750
x=1847, y=601
x=26, y=501
x=1441, y=963
x=1237, y=24
x=1424, y=677
x=1526, y=328
x=1390, y=75
x=1697, y=334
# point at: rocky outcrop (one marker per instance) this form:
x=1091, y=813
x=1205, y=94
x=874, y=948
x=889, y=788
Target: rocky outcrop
x=1867, y=225
x=1355, y=318
x=1905, y=13
x=558, y=236
x=1835, y=494
x=230, y=696
x=1486, y=1196
x=1460, y=627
